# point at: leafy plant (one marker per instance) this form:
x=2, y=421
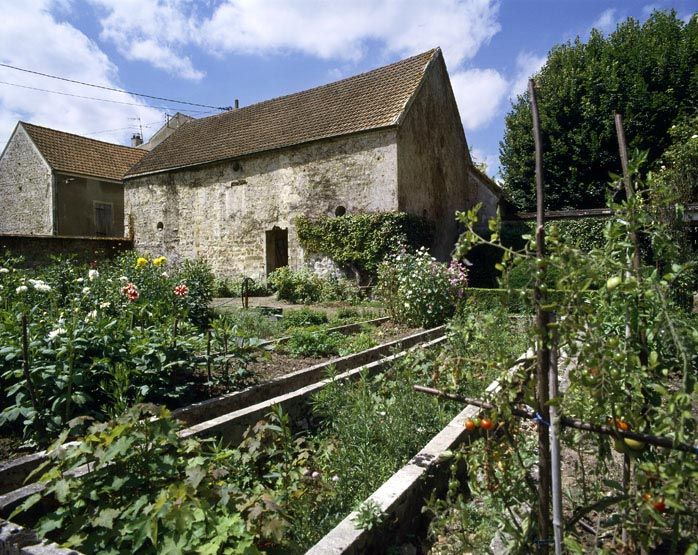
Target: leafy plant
x=369, y=515
x=418, y=290
x=315, y=343
x=630, y=356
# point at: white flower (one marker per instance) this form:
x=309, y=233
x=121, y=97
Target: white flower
x=40, y=285
x=165, y=275
x=694, y=136
x=123, y=278
x=55, y=333
x=91, y=315
x=22, y=289
x=85, y=290
x=315, y=475
x=80, y=280
x=381, y=413
x=4, y=270
x=105, y=304
x=335, y=478
x=92, y=275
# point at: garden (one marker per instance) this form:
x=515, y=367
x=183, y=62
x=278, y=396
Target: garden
x=569, y=391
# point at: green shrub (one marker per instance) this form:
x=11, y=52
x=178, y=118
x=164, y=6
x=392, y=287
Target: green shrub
x=314, y=343
x=303, y=317
x=360, y=242
x=232, y=287
x=148, y=491
x=304, y=286
x=418, y=290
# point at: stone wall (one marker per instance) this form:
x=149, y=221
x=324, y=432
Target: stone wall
x=433, y=158
x=481, y=190
x=75, y=205
x=26, y=188
x=220, y=212
x=37, y=250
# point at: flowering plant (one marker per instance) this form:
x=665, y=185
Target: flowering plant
x=419, y=290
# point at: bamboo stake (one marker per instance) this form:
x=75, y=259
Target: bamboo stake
x=556, y=465
x=633, y=327
x=567, y=422
x=542, y=320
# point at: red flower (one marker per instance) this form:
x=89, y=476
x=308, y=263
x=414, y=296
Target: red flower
x=181, y=290
x=131, y=291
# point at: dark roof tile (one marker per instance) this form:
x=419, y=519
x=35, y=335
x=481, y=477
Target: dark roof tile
x=75, y=154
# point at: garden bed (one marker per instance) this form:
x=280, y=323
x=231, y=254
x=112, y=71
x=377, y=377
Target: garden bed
x=296, y=408
x=13, y=473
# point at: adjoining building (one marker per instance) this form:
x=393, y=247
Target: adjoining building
x=227, y=188
x=57, y=183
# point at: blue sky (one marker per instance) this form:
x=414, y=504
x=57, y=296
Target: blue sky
x=214, y=51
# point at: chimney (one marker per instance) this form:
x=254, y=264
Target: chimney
x=237, y=104
x=136, y=140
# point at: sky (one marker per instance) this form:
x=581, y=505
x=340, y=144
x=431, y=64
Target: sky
x=212, y=52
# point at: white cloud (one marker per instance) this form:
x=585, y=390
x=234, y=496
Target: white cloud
x=607, y=21
x=479, y=94
x=527, y=65
x=32, y=37
x=152, y=31
x=320, y=28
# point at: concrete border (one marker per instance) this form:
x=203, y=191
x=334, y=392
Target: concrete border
x=197, y=412
x=14, y=473
x=16, y=540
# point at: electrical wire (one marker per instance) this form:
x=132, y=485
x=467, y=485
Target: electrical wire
x=98, y=99
x=223, y=108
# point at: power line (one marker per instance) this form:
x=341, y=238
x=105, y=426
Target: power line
x=113, y=89
x=99, y=99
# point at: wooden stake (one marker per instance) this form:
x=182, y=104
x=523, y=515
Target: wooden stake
x=542, y=320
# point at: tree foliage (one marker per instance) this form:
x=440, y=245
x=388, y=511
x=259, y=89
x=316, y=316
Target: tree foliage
x=646, y=72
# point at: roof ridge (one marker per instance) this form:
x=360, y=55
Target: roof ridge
x=431, y=51
x=76, y=135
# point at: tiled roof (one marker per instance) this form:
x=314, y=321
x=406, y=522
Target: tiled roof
x=75, y=154
x=367, y=101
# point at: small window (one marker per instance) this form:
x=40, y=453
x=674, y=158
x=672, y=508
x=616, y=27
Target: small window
x=104, y=219
x=340, y=211
x=160, y=226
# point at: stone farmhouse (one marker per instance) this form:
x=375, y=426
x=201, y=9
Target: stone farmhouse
x=227, y=188
x=56, y=183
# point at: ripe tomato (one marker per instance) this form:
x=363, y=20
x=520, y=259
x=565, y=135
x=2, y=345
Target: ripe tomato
x=659, y=506
x=486, y=424
x=622, y=425
x=469, y=425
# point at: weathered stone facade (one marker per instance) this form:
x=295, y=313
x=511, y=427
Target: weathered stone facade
x=433, y=159
x=26, y=188
x=222, y=215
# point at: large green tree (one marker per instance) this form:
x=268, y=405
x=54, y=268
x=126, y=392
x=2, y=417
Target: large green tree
x=648, y=73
